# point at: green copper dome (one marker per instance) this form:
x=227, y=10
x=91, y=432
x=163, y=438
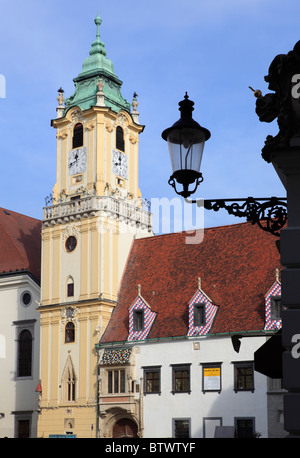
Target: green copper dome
x=96, y=66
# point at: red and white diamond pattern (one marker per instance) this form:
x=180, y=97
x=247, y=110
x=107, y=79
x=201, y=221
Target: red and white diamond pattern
x=149, y=317
x=270, y=324
x=210, y=312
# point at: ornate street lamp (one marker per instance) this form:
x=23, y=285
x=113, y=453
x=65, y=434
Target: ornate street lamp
x=186, y=140
x=283, y=152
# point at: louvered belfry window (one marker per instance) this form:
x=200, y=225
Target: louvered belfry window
x=77, y=136
x=120, y=139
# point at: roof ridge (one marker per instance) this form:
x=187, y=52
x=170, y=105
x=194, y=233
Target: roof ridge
x=212, y=228
x=19, y=214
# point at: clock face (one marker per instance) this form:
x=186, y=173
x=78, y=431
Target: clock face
x=120, y=164
x=77, y=161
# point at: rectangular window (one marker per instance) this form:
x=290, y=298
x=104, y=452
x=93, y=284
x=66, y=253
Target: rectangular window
x=70, y=289
x=116, y=381
x=276, y=308
x=24, y=353
x=244, y=427
x=23, y=429
x=243, y=376
x=181, y=378
x=138, y=320
x=199, y=314
x=152, y=380
x=181, y=428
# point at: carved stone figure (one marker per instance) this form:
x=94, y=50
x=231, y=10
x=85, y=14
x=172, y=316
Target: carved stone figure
x=100, y=86
x=283, y=104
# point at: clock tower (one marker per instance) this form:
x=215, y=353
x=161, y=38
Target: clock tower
x=89, y=223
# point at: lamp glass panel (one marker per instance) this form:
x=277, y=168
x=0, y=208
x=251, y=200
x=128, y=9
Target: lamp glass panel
x=186, y=149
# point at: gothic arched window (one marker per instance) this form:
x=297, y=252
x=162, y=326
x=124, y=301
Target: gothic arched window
x=120, y=139
x=24, y=353
x=77, y=136
x=71, y=387
x=69, y=382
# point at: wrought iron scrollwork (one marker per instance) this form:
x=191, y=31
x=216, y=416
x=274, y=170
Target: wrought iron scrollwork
x=269, y=214
x=49, y=200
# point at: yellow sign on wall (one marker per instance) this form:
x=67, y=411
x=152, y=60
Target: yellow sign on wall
x=211, y=378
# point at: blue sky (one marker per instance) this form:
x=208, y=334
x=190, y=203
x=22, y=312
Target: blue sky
x=212, y=49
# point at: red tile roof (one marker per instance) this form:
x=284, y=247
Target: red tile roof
x=20, y=243
x=236, y=264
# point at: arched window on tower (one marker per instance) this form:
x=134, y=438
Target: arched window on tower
x=120, y=139
x=77, y=136
x=69, y=332
x=70, y=287
x=24, y=353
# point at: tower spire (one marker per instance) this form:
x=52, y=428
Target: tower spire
x=98, y=22
x=98, y=45
x=97, y=65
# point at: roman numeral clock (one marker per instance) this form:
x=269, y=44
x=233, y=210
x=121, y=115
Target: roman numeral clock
x=77, y=161
x=120, y=164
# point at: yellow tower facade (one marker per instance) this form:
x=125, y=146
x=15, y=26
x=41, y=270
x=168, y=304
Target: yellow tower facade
x=95, y=212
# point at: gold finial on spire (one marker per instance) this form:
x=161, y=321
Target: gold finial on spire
x=257, y=92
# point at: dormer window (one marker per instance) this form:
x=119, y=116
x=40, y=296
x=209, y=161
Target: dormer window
x=199, y=314
x=276, y=307
x=202, y=313
x=77, y=136
x=138, y=320
x=141, y=319
x=273, y=306
x=120, y=139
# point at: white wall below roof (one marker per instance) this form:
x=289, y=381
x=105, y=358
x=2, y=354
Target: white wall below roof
x=17, y=394
x=159, y=410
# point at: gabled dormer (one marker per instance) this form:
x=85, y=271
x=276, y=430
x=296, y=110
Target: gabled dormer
x=201, y=313
x=273, y=306
x=141, y=318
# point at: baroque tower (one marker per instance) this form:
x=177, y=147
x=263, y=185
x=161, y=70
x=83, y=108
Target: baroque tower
x=95, y=212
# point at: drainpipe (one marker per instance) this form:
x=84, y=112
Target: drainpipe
x=141, y=408
x=98, y=400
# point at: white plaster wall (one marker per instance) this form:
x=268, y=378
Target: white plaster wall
x=17, y=394
x=159, y=410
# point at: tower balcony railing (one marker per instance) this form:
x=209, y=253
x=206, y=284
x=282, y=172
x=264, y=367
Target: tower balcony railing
x=130, y=211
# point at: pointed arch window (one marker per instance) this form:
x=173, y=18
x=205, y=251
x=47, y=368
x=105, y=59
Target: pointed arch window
x=24, y=353
x=120, y=145
x=69, y=332
x=71, y=387
x=77, y=135
x=69, y=382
